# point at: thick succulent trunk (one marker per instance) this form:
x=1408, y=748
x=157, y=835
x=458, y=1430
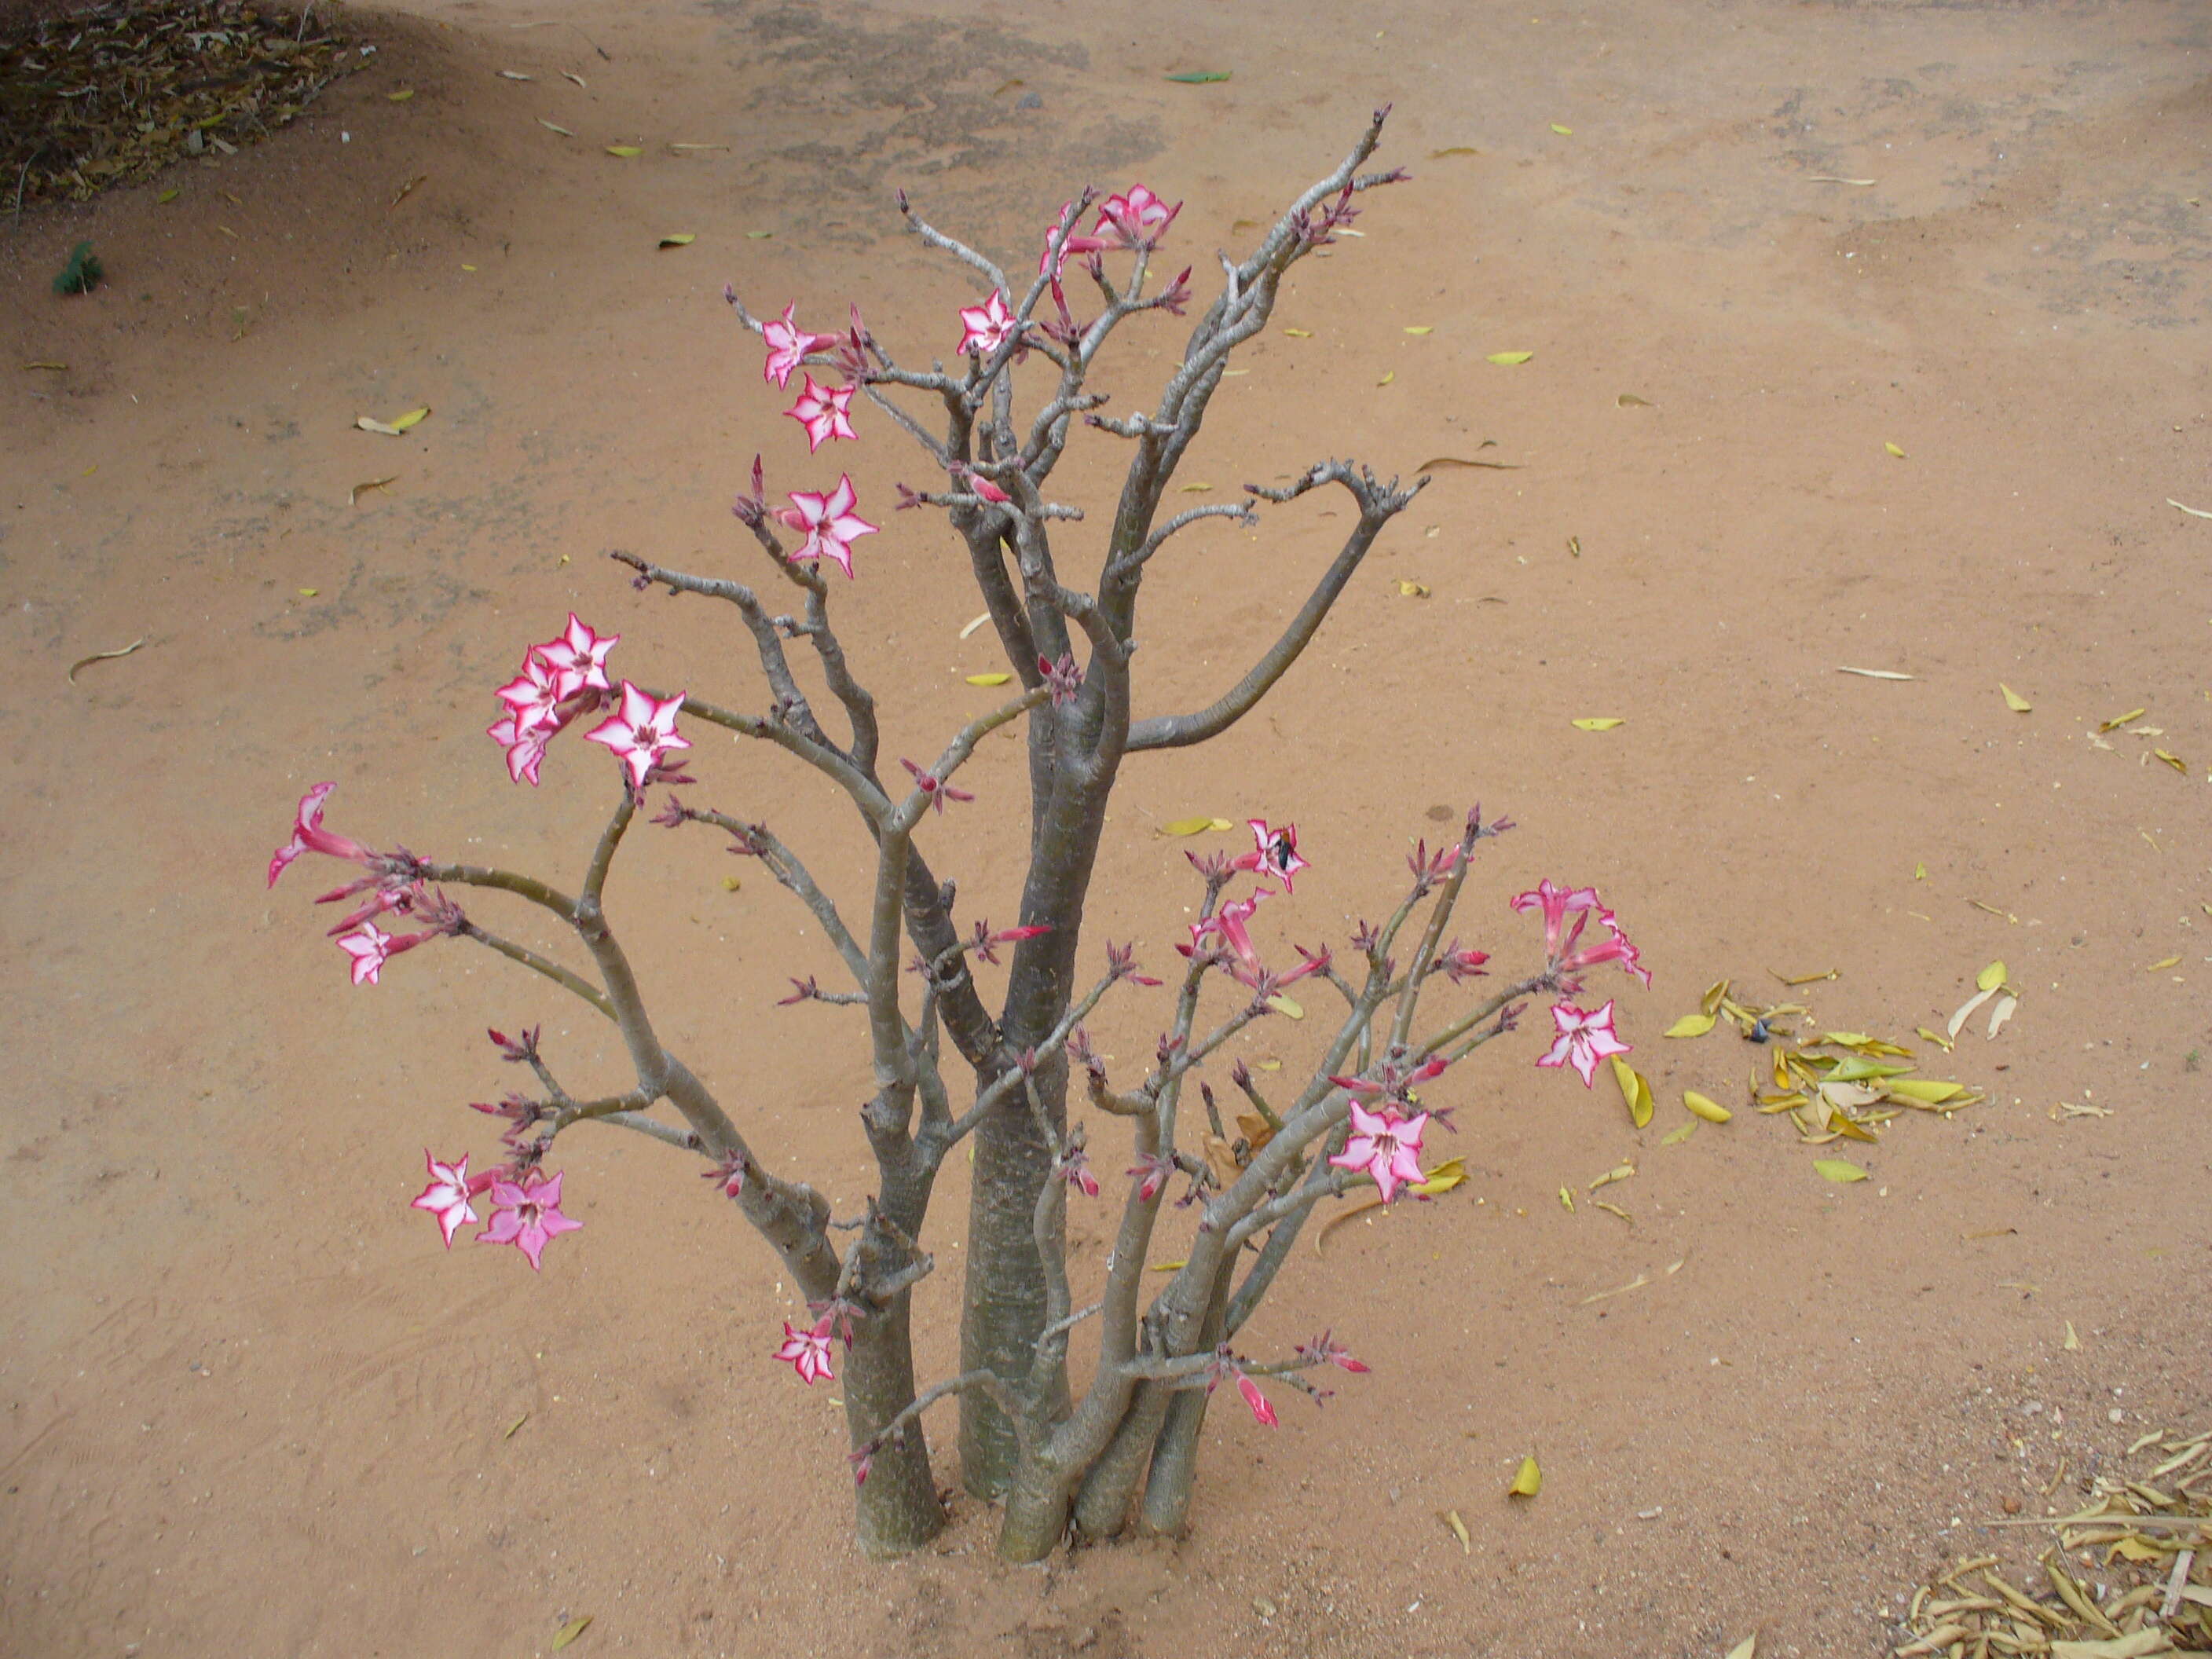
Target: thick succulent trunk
x=897, y=1507
x=1004, y=1310
x=1175, y=1465
x=1036, y=1515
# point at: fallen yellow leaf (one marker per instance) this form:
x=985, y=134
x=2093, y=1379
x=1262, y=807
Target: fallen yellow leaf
x=1192, y=826
x=1676, y=1137
x=2119, y=720
x=625, y=151
x=1690, y=1025
x=1299, y=333
x=1635, y=1091
x=1895, y=450
x=1528, y=1481
x=1704, y=1107
x=1837, y=1170
x=1000, y=680
x=678, y=239
x=1409, y=589
x=1425, y=328
x=2163, y=963
x=1459, y=1531
x=1510, y=358
x=575, y=1627
x=1563, y=132
x=1600, y=723
x=2013, y=700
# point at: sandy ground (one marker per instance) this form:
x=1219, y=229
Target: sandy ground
x=247, y=1405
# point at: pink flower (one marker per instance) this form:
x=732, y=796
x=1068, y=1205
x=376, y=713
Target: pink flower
x=1138, y=219
x=1616, y=949
x=641, y=733
x=1585, y=1038
x=529, y=1215
x=1232, y=923
x=1262, y=1410
x=1275, y=851
x=447, y=1195
x=829, y=522
x=308, y=835
x=787, y=345
x=1075, y=1171
x=821, y=411
x=982, y=486
x=524, y=749
x=578, y=659
x=1387, y=1145
x=987, y=326
x=1555, y=903
x=371, y=947
x=1155, y=1168
x=531, y=694
x=807, y=1353
x=1074, y=244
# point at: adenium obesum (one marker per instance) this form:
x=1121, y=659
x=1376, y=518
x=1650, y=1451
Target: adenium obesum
x=1362, y=1114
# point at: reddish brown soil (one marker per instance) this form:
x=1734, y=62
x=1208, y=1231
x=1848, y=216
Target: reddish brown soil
x=246, y=1405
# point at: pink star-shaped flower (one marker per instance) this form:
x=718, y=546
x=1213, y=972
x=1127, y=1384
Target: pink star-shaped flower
x=1275, y=851
x=1584, y=1039
x=447, y=1195
x=1618, y=948
x=529, y=1215
x=308, y=835
x=985, y=327
x=821, y=411
x=829, y=522
x=578, y=659
x=1555, y=903
x=807, y=1353
x=787, y=345
x=1387, y=1145
x=1136, y=219
x=641, y=731
x=370, y=947
x=524, y=749
x=531, y=694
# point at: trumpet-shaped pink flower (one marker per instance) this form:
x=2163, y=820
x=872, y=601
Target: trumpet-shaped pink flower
x=1262, y=1411
x=578, y=659
x=1585, y=1038
x=641, y=732
x=986, y=327
x=829, y=522
x=807, y=1353
x=1136, y=218
x=1074, y=244
x=1556, y=902
x=1275, y=851
x=822, y=411
x=308, y=835
x=1075, y=1171
x=447, y=1195
x=529, y=1215
x=1618, y=948
x=1386, y=1145
x=787, y=345
x=526, y=749
x=1232, y=924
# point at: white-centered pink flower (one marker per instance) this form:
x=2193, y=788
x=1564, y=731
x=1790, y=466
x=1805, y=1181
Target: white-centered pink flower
x=308, y=835
x=641, y=731
x=371, y=947
x=447, y=1195
x=577, y=660
x=1386, y=1145
x=985, y=327
x=528, y=1215
x=1275, y=851
x=1135, y=218
x=807, y=1353
x=822, y=411
x=1585, y=1038
x=532, y=696
x=1617, y=947
x=524, y=749
x=831, y=524
x=787, y=345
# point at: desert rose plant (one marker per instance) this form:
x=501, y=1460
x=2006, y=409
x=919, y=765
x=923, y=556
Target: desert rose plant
x=1124, y=1446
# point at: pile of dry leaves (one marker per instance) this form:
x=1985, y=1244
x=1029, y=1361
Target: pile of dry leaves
x=111, y=95
x=2129, y=1575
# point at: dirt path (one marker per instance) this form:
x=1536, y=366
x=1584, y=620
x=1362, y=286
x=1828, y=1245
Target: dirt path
x=250, y=1407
